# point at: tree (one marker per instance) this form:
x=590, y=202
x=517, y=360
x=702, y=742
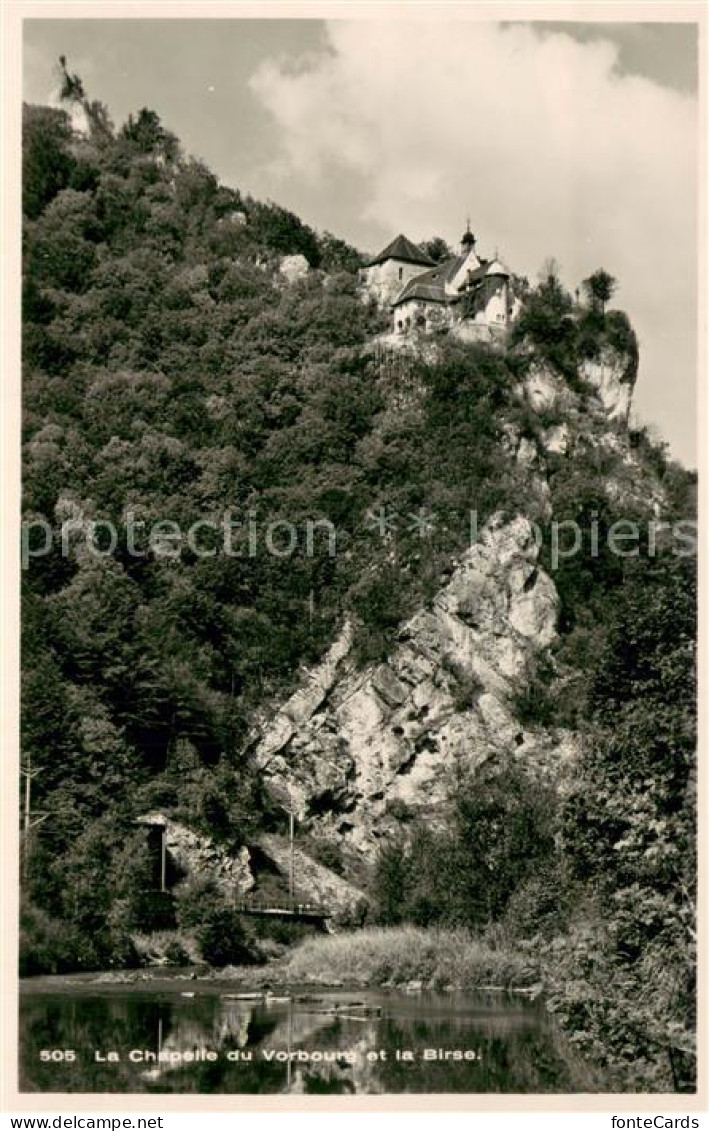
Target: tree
x=62, y=247
x=337, y=255
x=546, y=321
x=47, y=164
x=464, y=871
x=147, y=133
x=389, y=886
x=436, y=248
x=634, y=801
x=72, y=85
x=550, y=272
x=505, y=822
x=96, y=114
x=629, y=827
x=599, y=288
x=284, y=232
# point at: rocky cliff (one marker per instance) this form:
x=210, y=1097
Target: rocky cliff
x=359, y=752
x=197, y=858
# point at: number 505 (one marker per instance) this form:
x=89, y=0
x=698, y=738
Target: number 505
x=67, y=1055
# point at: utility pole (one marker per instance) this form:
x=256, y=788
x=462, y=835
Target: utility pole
x=286, y=804
x=291, y=870
x=28, y=823
x=28, y=790
x=163, y=858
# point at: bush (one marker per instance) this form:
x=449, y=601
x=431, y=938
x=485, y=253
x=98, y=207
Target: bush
x=194, y=900
x=503, y=819
x=161, y=947
x=222, y=803
x=152, y=911
x=217, y=925
x=353, y=917
x=176, y=953
x=326, y=853
x=542, y=904
x=54, y=946
x=622, y=337
x=281, y=931
x=533, y=699
x=47, y=946
x=467, y=686
x=222, y=939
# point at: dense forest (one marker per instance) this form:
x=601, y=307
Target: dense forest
x=172, y=372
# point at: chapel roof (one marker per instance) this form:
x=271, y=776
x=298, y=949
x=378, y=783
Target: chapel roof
x=402, y=248
x=431, y=285
x=489, y=267
x=418, y=290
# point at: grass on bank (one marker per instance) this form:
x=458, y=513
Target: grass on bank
x=398, y=955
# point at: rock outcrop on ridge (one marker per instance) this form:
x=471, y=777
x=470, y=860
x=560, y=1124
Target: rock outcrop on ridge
x=354, y=750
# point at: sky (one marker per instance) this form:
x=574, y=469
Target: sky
x=571, y=141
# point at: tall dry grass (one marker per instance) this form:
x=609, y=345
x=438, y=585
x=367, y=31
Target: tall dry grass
x=397, y=955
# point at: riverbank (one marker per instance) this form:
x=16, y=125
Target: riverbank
x=188, y=981
x=373, y=957
x=410, y=957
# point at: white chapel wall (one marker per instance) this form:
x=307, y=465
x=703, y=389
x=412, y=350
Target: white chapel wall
x=385, y=281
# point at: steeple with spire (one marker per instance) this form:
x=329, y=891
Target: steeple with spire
x=467, y=243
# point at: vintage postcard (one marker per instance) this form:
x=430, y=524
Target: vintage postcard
x=359, y=353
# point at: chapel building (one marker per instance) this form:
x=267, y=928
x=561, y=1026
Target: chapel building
x=466, y=293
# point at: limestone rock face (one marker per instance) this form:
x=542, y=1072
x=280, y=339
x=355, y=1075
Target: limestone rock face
x=527, y=455
x=613, y=378
x=545, y=389
x=557, y=439
x=306, y=701
x=370, y=746
x=490, y=335
x=294, y=267
x=199, y=858
x=233, y=220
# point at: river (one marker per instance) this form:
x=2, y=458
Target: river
x=213, y=1039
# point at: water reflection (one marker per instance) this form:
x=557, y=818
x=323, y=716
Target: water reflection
x=336, y=1042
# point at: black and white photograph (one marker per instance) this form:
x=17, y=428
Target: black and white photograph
x=358, y=746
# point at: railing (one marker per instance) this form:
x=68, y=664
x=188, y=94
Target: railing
x=296, y=908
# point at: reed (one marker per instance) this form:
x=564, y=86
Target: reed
x=437, y=958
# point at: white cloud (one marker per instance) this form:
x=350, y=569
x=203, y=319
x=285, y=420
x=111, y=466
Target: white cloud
x=538, y=138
